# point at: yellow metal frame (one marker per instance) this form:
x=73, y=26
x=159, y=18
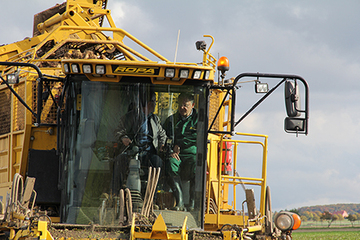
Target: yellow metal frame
x=38, y=230
x=12, y=143
x=158, y=231
x=78, y=24
x=208, y=58
x=218, y=183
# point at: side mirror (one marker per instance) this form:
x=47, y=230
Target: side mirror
x=292, y=98
x=295, y=125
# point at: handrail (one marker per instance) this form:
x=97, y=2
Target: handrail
x=30, y=57
x=208, y=58
x=108, y=29
x=234, y=180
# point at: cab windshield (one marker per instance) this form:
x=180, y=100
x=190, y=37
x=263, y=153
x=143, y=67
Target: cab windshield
x=137, y=143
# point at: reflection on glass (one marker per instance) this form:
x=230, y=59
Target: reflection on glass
x=115, y=134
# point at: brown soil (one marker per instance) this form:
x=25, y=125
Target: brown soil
x=77, y=231
x=81, y=233
x=113, y=233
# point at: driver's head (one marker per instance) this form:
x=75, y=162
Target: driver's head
x=152, y=102
x=186, y=104
x=147, y=99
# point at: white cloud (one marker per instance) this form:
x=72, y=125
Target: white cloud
x=131, y=17
x=299, y=12
x=321, y=188
x=118, y=11
x=338, y=130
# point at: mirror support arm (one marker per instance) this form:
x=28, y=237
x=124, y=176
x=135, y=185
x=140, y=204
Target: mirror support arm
x=40, y=79
x=18, y=97
x=269, y=75
x=218, y=111
x=259, y=102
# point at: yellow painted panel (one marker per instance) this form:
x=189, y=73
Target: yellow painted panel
x=3, y=161
x=16, y=158
x=4, y=143
x=18, y=139
x=4, y=158
x=16, y=169
x=44, y=138
x=3, y=177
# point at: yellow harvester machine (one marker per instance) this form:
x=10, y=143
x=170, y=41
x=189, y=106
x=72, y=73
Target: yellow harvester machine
x=62, y=94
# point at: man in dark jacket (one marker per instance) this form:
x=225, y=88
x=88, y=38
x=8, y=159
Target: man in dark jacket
x=143, y=127
x=181, y=128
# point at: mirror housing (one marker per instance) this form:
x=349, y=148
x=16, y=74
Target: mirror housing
x=292, y=98
x=295, y=125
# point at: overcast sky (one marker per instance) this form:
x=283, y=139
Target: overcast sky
x=318, y=40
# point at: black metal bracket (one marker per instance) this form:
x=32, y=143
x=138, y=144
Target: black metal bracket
x=40, y=79
x=232, y=87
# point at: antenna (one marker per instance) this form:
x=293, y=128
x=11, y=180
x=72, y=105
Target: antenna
x=177, y=44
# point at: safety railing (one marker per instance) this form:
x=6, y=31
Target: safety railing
x=224, y=181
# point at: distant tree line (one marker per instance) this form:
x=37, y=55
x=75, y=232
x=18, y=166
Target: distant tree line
x=349, y=208
x=328, y=213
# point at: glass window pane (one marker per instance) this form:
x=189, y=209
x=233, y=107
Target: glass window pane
x=115, y=133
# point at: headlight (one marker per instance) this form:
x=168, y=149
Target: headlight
x=207, y=74
x=197, y=74
x=100, y=69
x=75, y=68
x=286, y=221
x=12, y=78
x=261, y=87
x=66, y=68
x=184, y=73
x=170, y=72
x=87, y=68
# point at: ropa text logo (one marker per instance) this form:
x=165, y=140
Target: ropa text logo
x=136, y=70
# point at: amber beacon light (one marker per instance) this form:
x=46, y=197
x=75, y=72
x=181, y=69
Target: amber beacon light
x=223, y=64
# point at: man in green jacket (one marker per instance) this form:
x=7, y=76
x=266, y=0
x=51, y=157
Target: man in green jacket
x=181, y=128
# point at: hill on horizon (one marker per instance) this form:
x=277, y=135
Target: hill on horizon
x=348, y=207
